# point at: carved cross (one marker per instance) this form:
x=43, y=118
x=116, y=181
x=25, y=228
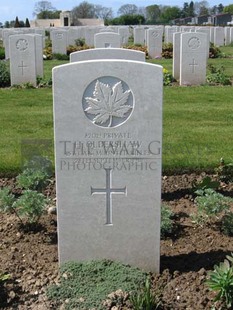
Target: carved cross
x=22, y=66
x=193, y=64
x=108, y=191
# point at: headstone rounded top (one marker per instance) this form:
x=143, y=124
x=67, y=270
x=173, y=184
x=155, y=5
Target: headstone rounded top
x=108, y=102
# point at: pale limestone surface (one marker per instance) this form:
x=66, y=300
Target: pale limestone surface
x=169, y=31
x=59, y=41
x=205, y=30
x=107, y=40
x=124, y=33
x=193, y=59
x=108, y=174
x=176, y=55
x=23, y=58
x=110, y=53
x=154, y=42
x=139, y=35
x=39, y=54
x=219, y=36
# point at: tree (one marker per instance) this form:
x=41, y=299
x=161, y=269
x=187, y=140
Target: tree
x=169, y=13
x=188, y=10
x=83, y=10
x=201, y=8
x=153, y=13
x=49, y=15
x=103, y=12
x=185, y=10
x=220, y=8
x=17, y=24
x=228, y=9
x=27, y=24
x=191, y=9
x=43, y=9
x=134, y=19
x=128, y=9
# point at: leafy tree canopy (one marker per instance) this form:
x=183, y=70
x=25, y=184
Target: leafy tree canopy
x=228, y=9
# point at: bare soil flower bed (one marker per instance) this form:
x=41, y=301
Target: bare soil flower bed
x=31, y=259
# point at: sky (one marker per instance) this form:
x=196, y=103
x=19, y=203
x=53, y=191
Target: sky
x=24, y=8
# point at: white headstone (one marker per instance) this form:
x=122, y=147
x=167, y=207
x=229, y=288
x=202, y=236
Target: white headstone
x=205, y=30
x=108, y=129
x=227, y=35
x=124, y=33
x=139, y=35
x=212, y=34
x=89, y=35
x=6, y=34
x=218, y=36
x=39, y=54
x=231, y=34
x=110, y=53
x=75, y=33
x=59, y=41
x=176, y=55
x=23, y=59
x=169, y=31
x=107, y=40
x=154, y=42
x=193, y=58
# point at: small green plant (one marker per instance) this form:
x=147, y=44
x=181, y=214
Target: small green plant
x=221, y=281
x=217, y=76
x=214, y=51
x=31, y=205
x=87, y=284
x=6, y=199
x=205, y=183
x=5, y=80
x=42, y=83
x=2, y=53
x=227, y=224
x=210, y=205
x=145, y=299
x=59, y=56
x=168, y=79
x=36, y=174
x=225, y=171
x=3, y=277
x=80, y=42
x=167, y=50
x=166, y=220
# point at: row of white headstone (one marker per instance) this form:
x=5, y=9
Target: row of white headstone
x=189, y=58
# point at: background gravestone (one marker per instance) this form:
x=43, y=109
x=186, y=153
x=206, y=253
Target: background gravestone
x=23, y=59
x=107, y=40
x=176, y=55
x=59, y=41
x=139, y=35
x=219, y=36
x=154, y=42
x=110, y=53
x=193, y=58
x=108, y=129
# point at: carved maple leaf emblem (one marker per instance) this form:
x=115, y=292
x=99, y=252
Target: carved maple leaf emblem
x=108, y=102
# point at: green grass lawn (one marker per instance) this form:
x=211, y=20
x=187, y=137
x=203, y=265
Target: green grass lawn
x=197, y=122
